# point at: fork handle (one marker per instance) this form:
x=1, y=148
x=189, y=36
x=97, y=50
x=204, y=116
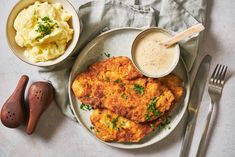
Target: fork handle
x=204, y=138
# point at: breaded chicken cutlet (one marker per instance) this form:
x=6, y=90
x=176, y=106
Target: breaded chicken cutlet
x=115, y=84
x=110, y=127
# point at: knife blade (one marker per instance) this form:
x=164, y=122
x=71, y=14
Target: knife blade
x=194, y=103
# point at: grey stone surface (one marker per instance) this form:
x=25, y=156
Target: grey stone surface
x=57, y=135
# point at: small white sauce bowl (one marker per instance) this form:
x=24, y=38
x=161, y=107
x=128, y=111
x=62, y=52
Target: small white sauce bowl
x=141, y=35
x=19, y=51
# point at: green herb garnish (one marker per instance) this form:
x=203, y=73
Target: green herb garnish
x=139, y=89
x=118, y=81
x=39, y=37
x=147, y=117
x=85, y=107
x=46, y=19
x=92, y=127
x=45, y=27
x=168, y=120
x=164, y=123
x=152, y=107
x=160, y=126
x=107, y=55
x=114, y=122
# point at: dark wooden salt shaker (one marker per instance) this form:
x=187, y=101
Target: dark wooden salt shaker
x=13, y=111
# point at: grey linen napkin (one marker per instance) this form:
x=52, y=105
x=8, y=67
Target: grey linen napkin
x=103, y=15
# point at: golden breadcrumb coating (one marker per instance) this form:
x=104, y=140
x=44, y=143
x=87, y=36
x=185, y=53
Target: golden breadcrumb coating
x=115, y=84
x=111, y=127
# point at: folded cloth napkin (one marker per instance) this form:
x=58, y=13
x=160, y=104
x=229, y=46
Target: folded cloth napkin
x=103, y=15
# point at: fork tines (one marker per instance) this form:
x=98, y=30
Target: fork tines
x=218, y=74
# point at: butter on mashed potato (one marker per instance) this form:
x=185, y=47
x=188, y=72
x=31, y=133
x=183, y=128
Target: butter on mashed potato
x=44, y=30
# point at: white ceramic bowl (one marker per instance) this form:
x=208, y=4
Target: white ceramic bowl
x=19, y=51
x=140, y=36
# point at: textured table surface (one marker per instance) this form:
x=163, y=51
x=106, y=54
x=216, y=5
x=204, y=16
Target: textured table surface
x=57, y=135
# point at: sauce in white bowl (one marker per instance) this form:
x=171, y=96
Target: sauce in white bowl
x=151, y=58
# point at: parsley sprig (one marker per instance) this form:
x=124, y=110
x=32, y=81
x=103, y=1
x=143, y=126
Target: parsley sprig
x=147, y=116
x=139, y=89
x=164, y=123
x=152, y=109
x=85, y=107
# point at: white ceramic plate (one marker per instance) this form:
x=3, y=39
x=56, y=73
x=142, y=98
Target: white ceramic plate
x=118, y=43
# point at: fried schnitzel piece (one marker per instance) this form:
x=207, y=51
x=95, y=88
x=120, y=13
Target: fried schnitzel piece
x=116, y=85
x=111, y=127
x=174, y=83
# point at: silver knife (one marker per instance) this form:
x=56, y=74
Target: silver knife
x=194, y=103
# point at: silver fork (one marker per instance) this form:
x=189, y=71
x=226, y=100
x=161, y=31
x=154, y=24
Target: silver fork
x=215, y=88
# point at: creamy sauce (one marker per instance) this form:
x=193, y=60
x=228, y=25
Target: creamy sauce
x=153, y=58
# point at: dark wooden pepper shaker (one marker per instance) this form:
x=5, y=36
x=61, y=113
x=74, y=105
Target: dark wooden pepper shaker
x=40, y=96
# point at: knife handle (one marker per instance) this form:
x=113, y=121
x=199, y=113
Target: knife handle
x=204, y=139
x=188, y=136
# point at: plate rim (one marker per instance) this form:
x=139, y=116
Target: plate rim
x=71, y=105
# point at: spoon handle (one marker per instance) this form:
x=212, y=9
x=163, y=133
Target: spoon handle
x=188, y=32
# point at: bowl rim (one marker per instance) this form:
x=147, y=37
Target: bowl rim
x=151, y=29
x=42, y=65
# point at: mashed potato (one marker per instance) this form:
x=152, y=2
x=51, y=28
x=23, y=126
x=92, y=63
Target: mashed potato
x=43, y=30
